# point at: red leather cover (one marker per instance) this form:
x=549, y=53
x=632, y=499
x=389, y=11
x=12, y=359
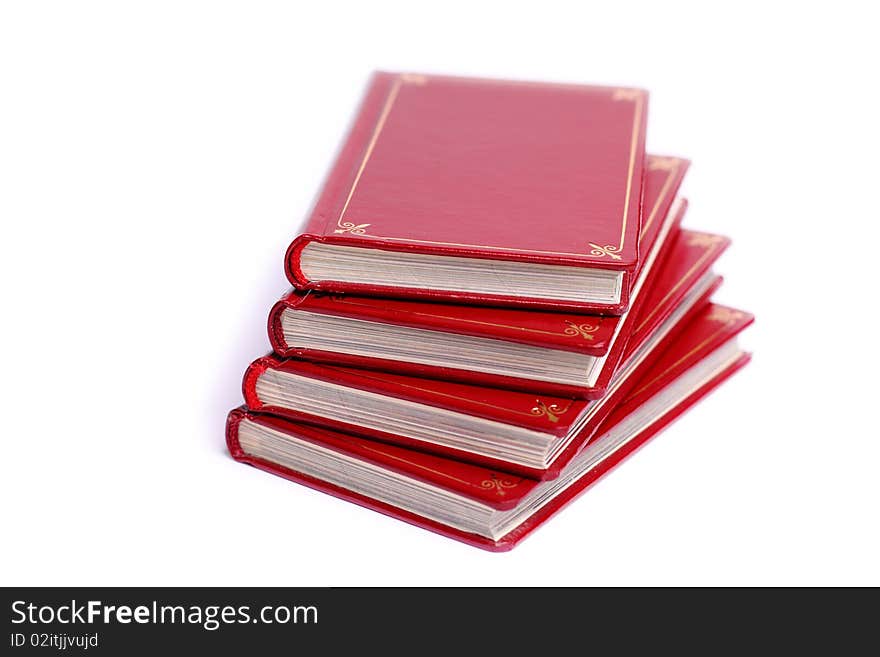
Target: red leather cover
x=714, y=326
x=667, y=284
x=589, y=334
x=447, y=166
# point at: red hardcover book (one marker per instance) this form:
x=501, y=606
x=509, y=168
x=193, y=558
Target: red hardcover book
x=490, y=508
x=505, y=347
x=518, y=430
x=482, y=192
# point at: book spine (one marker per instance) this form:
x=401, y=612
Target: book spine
x=233, y=420
x=276, y=330
x=292, y=262
x=249, y=381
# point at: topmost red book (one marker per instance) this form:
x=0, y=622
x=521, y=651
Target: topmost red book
x=484, y=192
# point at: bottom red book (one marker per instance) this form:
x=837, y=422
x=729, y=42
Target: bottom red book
x=490, y=508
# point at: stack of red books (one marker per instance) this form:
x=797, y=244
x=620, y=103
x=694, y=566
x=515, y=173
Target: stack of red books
x=494, y=303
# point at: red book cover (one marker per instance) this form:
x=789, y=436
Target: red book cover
x=578, y=332
x=511, y=506
x=446, y=167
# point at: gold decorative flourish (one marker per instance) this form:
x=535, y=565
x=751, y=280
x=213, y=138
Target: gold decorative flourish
x=499, y=484
x=627, y=94
x=584, y=330
x=703, y=239
x=662, y=163
x=725, y=315
x=413, y=78
x=354, y=229
x=552, y=412
x=609, y=250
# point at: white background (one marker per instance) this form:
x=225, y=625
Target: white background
x=157, y=158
